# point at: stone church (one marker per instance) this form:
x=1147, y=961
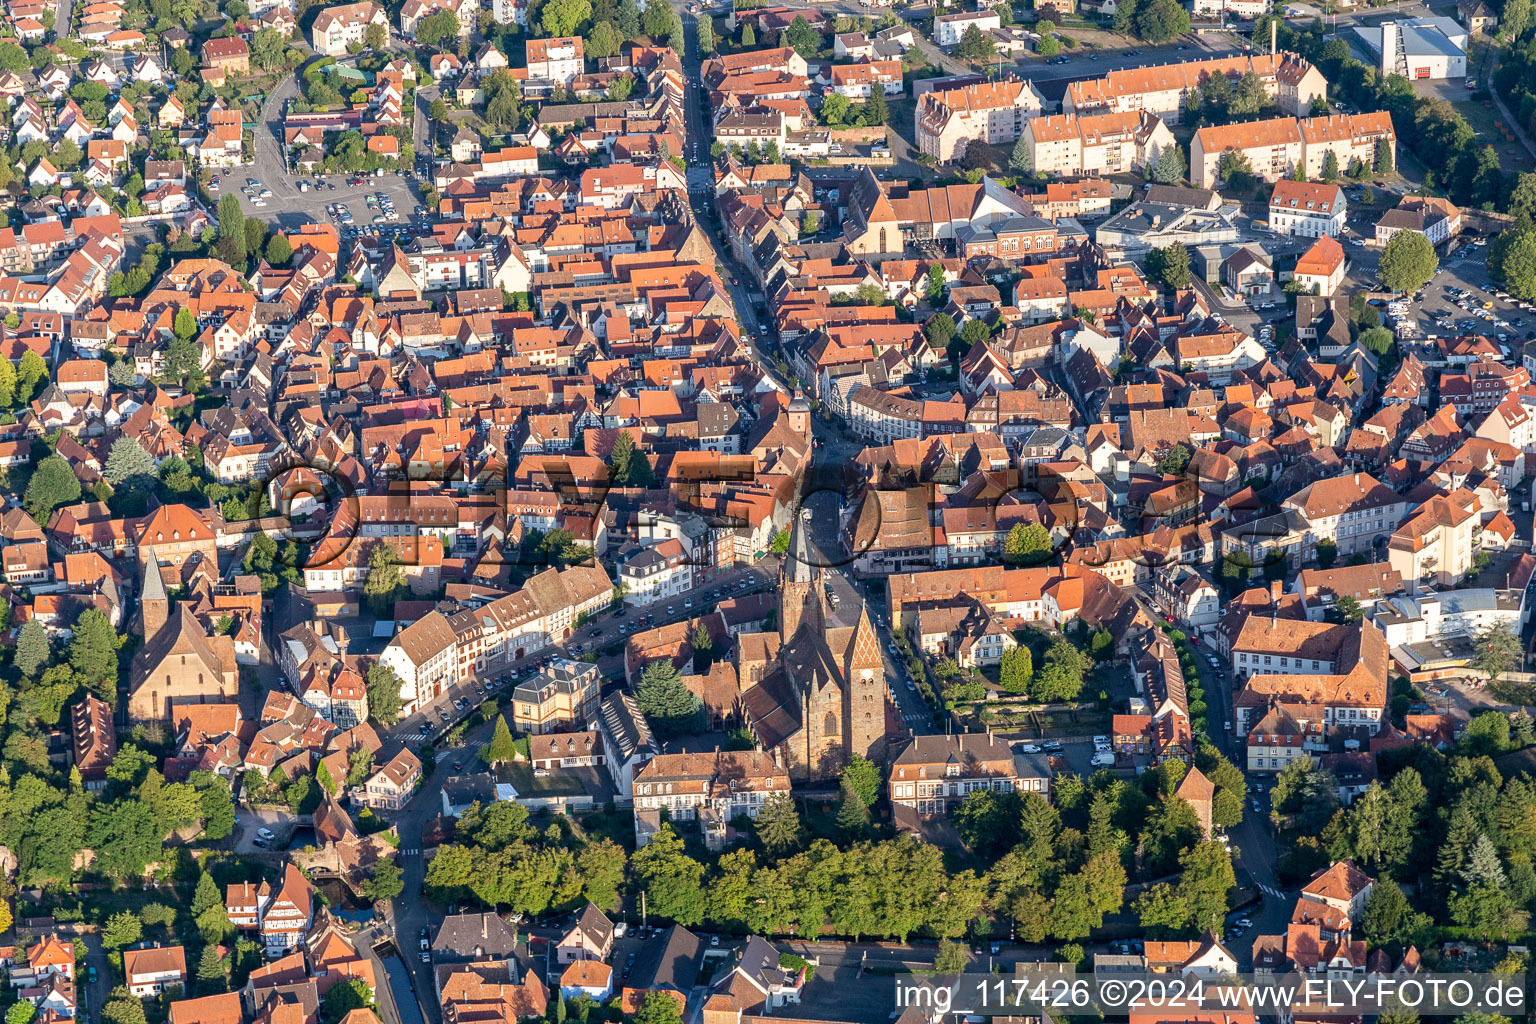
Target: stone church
x=814, y=694
x=179, y=663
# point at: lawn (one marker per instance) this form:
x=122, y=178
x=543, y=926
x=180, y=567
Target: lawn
x=520, y=776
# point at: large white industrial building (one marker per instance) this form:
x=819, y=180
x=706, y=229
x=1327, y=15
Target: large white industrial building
x=1419, y=48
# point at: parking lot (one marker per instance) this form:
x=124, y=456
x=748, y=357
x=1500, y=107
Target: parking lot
x=1460, y=300
x=279, y=200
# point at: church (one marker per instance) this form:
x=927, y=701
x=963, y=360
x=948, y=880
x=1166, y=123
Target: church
x=814, y=693
x=179, y=663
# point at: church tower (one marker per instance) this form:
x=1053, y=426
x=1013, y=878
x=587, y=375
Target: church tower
x=865, y=691
x=799, y=587
x=154, y=602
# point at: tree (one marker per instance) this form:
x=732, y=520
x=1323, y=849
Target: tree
x=127, y=459
x=940, y=330
x=1408, y=262
x=659, y=1008
x=386, y=581
x=383, y=694
x=1048, y=46
x=876, y=111
x=1498, y=649
x=1159, y=21
x=1327, y=554
x=748, y=36
x=1377, y=339
x=671, y=708
x=212, y=971
x=863, y=776
x=435, y=29
x=1015, y=670
x=1387, y=914
x=706, y=34
x=53, y=484
x=502, y=747
x=386, y=883
x=1512, y=258
x=778, y=825
x=1169, y=167
x=123, y=1008
x=672, y=881
x=184, y=364
x=1384, y=159
x=31, y=648
x=1061, y=676
x=268, y=48
x=1330, y=167
x=1027, y=544
x=1248, y=95
x=1022, y=160
x=628, y=466
x=20, y=1013
x=231, y=218
x=852, y=812
x=31, y=372
x=7, y=390
x=122, y=930
x=279, y=249
x=93, y=650
x=345, y=997
x=800, y=37
x=951, y=958
x=835, y=108
x=562, y=17
x=1234, y=167
x=127, y=838
x=376, y=36
x=975, y=46
x=1174, y=265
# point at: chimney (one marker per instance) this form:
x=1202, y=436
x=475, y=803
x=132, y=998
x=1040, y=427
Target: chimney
x=1275, y=589
x=1274, y=28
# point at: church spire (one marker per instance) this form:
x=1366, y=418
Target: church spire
x=154, y=602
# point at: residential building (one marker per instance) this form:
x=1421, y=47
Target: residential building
x=562, y=696
x=336, y=28
x=1305, y=208
x=1320, y=270
x=990, y=112
x=1072, y=145
x=557, y=61
x=1162, y=89
x=589, y=938
x=1355, y=511
x=1435, y=543
x=934, y=773
x=1436, y=218
x=949, y=29
x=1274, y=148
x=150, y=972
x=657, y=572
x=1338, y=672
x=710, y=788
x=393, y=785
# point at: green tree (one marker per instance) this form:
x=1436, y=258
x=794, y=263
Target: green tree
x=1377, y=339
x=672, y=881
x=127, y=838
x=669, y=705
x=7, y=390
x=279, y=251
x=53, y=484
x=386, y=883
x=20, y=1013
x=748, y=36
x=563, y=17
x=212, y=971
x=1408, y=262
x=376, y=36
x=1015, y=670
x=1330, y=167
x=1174, y=264
x=951, y=958
x=1159, y=21
x=706, y=34
x=800, y=36
x=1498, y=650
x=1027, y=544
x=344, y=997
x=863, y=775
x=1384, y=160
x=31, y=374
x=975, y=46
x=1234, y=167
x=126, y=460
x=835, y=108
x=1169, y=167
x=778, y=825
x=502, y=748
x=122, y=930
x=32, y=652
x=1061, y=675
x=1022, y=160
x=93, y=650
x=123, y=1008
x=383, y=694
x=438, y=28
x=386, y=581
x=231, y=219
x=659, y=1008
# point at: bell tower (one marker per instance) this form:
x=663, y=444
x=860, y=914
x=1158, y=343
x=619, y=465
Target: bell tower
x=154, y=602
x=799, y=585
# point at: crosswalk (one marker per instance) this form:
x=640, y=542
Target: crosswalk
x=415, y=737
x=414, y=851
x=1276, y=893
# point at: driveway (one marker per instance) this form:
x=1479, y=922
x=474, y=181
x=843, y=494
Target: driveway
x=281, y=823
